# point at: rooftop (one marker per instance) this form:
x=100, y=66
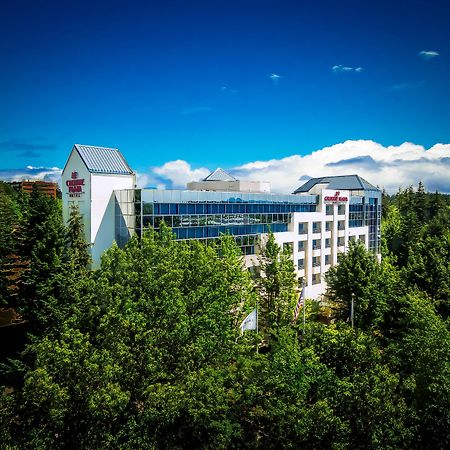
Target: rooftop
x=103, y=159
x=219, y=175
x=342, y=182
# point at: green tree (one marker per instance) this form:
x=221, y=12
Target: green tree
x=371, y=284
x=12, y=265
x=364, y=392
x=276, y=283
x=143, y=361
x=45, y=249
x=77, y=247
x=420, y=354
x=429, y=269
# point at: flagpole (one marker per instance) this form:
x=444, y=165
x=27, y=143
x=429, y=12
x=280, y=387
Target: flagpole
x=257, y=320
x=304, y=308
x=352, y=311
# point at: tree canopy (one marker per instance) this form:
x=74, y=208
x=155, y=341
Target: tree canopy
x=146, y=351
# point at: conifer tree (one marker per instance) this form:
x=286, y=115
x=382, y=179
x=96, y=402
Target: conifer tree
x=13, y=265
x=77, y=247
x=44, y=247
x=276, y=283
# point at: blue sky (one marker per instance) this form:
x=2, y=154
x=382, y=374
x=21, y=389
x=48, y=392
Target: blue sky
x=219, y=83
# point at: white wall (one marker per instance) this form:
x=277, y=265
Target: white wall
x=316, y=290
x=76, y=164
x=103, y=210
x=102, y=186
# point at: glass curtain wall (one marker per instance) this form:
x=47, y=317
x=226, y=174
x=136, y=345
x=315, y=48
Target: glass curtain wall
x=366, y=211
x=205, y=215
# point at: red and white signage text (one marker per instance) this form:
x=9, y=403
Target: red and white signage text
x=336, y=198
x=75, y=185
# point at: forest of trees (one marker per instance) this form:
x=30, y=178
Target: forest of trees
x=146, y=351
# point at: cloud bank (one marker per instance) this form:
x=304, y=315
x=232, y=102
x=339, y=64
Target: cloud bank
x=388, y=167
x=31, y=173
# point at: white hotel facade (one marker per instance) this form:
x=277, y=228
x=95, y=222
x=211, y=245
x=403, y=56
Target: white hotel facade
x=316, y=221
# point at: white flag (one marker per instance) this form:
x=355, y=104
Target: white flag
x=250, y=322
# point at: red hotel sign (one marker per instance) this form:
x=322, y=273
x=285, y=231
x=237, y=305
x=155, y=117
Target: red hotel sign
x=336, y=198
x=75, y=185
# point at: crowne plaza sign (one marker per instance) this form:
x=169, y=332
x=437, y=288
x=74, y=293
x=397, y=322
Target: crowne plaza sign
x=75, y=185
x=336, y=198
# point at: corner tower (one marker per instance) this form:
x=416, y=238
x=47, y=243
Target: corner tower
x=88, y=180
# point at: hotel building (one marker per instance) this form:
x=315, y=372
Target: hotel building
x=316, y=221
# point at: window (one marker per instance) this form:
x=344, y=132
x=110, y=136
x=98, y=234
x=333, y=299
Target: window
x=316, y=227
x=341, y=241
x=327, y=260
x=341, y=225
x=301, y=264
x=316, y=261
x=341, y=209
x=329, y=210
x=316, y=278
x=327, y=243
x=316, y=244
x=362, y=238
x=302, y=227
x=301, y=245
x=328, y=226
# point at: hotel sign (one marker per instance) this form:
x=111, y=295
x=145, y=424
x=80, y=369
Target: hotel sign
x=336, y=198
x=75, y=185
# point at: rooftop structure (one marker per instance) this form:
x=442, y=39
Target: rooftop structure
x=340, y=182
x=220, y=180
x=219, y=175
x=103, y=159
x=90, y=176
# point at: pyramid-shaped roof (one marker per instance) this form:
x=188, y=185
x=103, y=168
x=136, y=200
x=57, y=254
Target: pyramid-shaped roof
x=219, y=175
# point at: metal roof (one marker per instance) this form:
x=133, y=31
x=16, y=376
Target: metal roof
x=219, y=175
x=103, y=160
x=343, y=182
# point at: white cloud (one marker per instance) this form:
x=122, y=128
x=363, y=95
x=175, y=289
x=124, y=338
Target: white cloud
x=428, y=54
x=390, y=167
x=31, y=173
x=345, y=69
x=275, y=77
x=177, y=173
